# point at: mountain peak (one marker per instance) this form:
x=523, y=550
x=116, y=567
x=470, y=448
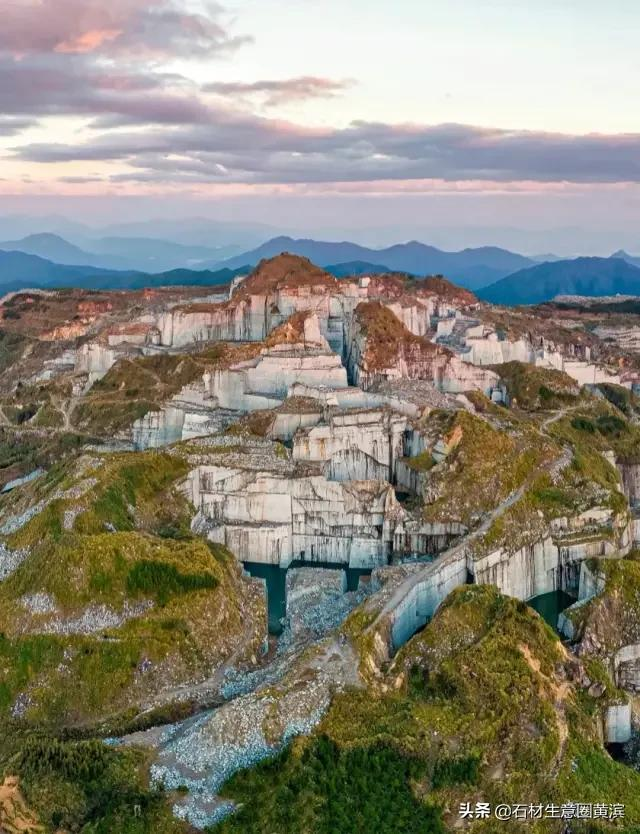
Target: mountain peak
x=587, y=276
x=288, y=270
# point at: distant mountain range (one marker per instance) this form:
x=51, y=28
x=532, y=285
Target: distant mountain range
x=355, y=268
x=138, y=254
x=496, y=275
x=471, y=268
x=630, y=259
x=19, y=271
x=222, y=236
x=581, y=276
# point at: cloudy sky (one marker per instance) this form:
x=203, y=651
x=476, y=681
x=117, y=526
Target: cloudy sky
x=412, y=115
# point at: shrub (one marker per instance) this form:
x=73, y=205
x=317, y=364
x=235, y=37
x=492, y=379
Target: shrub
x=87, y=786
x=456, y=771
x=583, y=424
x=609, y=424
x=329, y=790
x=617, y=396
x=163, y=581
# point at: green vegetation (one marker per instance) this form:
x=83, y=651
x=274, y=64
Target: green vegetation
x=610, y=618
x=162, y=581
x=327, y=790
x=110, y=418
x=128, y=548
x=589, y=480
x=132, y=388
x=49, y=417
x=87, y=786
x=484, y=709
x=387, y=337
x=12, y=346
x=420, y=463
x=595, y=428
x=486, y=464
x=533, y=388
x=22, y=452
x=620, y=397
x=73, y=679
x=583, y=424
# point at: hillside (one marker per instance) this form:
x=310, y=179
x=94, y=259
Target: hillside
x=355, y=268
x=582, y=276
x=283, y=546
x=634, y=260
x=121, y=253
x=55, y=248
x=19, y=271
x=470, y=268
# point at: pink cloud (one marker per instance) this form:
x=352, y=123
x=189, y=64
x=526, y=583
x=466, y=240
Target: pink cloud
x=87, y=41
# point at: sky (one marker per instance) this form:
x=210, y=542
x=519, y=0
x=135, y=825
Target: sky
x=505, y=121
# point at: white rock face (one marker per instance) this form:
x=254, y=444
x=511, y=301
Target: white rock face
x=178, y=421
x=626, y=664
x=479, y=344
x=94, y=359
x=627, y=338
x=421, y=602
x=545, y=566
x=355, y=446
x=275, y=518
x=287, y=423
x=630, y=475
x=588, y=373
x=492, y=351
x=444, y=370
x=342, y=398
x=415, y=538
x=262, y=382
x=252, y=317
x=549, y=565
x=618, y=723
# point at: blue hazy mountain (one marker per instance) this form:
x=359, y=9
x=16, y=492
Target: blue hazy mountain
x=355, y=268
x=143, y=254
x=471, y=268
x=54, y=248
x=19, y=270
x=581, y=276
x=634, y=260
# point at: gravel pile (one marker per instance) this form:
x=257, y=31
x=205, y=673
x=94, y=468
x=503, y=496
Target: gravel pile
x=96, y=618
x=21, y=705
x=39, y=603
x=16, y=522
x=203, y=753
x=10, y=560
x=318, y=602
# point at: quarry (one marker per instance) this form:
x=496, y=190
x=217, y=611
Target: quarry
x=322, y=468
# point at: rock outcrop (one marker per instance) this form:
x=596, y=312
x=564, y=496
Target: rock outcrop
x=354, y=446
x=381, y=348
x=274, y=511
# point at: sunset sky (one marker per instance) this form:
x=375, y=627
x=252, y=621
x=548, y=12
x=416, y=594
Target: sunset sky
x=501, y=114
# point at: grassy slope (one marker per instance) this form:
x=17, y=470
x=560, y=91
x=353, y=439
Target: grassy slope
x=478, y=707
x=488, y=464
x=130, y=543
x=134, y=387
x=533, y=388
x=610, y=619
